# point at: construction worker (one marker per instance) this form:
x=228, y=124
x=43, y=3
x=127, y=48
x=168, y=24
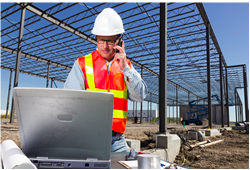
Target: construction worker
x=108, y=70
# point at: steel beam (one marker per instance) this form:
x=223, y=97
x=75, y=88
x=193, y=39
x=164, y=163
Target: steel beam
x=29, y=73
x=8, y=99
x=208, y=77
x=163, y=69
x=167, y=98
x=73, y=30
x=18, y=58
x=57, y=22
x=35, y=58
x=206, y=21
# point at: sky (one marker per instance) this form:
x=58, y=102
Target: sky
x=230, y=22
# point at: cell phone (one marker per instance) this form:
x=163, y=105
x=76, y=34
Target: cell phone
x=119, y=43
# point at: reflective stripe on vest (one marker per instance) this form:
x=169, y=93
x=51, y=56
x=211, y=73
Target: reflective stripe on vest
x=120, y=95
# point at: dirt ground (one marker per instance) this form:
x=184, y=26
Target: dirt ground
x=233, y=153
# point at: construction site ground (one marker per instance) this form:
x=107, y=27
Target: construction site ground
x=232, y=153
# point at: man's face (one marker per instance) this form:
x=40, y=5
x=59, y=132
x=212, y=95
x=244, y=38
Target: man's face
x=106, y=48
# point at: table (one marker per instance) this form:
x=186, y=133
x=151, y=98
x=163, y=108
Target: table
x=115, y=157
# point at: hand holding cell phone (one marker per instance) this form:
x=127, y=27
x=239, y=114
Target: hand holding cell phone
x=119, y=44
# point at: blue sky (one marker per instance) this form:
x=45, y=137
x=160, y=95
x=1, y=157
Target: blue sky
x=230, y=22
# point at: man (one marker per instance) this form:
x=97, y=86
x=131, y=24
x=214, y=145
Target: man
x=109, y=71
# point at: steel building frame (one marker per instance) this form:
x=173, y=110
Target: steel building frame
x=49, y=37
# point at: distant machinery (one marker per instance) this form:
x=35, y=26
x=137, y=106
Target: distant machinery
x=196, y=118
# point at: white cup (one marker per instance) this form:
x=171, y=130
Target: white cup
x=148, y=161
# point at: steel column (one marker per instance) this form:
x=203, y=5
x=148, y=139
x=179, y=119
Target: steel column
x=142, y=101
x=148, y=112
x=176, y=88
x=133, y=111
x=189, y=101
x=208, y=77
x=235, y=105
x=221, y=90
x=245, y=94
x=8, y=99
x=51, y=83
x=227, y=103
x=150, y=107
x=163, y=69
x=241, y=112
x=238, y=107
x=169, y=114
x=47, y=84
x=20, y=39
x=136, y=109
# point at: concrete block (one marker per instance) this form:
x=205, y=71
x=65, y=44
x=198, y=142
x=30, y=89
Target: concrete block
x=193, y=135
x=170, y=143
x=201, y=136
x=202, y=131
x=135, y=144
x=225, y=128
x=228, y=128
x=212, y=132
x=164, y=154
x=157, y=134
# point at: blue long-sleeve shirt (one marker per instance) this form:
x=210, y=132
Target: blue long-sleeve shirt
x=137, y=88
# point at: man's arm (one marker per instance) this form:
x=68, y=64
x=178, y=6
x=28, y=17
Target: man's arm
x=137, y=88
x=75, y=79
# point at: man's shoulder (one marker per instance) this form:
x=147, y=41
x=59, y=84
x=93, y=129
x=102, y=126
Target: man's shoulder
x=84, y=56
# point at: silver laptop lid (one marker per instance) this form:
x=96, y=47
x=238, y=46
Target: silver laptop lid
x=61, y=123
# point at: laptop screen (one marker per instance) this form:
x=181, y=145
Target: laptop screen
x=62, y=123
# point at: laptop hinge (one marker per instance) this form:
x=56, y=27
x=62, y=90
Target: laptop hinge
x=42, y=157
x=92, y=159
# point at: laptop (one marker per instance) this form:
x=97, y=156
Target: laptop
x=62, y=128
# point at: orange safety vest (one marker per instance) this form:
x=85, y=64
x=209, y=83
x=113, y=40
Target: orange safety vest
x=98, y=78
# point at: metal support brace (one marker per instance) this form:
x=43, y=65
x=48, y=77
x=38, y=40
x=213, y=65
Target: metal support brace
x=8, y=99
x=18, y=61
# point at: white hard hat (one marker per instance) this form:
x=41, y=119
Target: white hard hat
x=108, y=23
